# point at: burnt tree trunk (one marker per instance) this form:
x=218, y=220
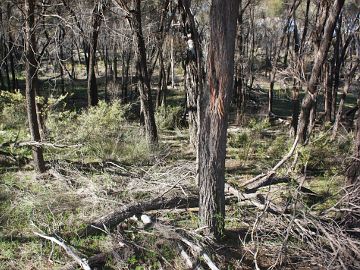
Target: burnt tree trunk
x=240, y=84
x=215, y=99
x=31, y=83
x=92, y=89
x=297, y=85
x=125, y=76
x=310, y=98
x=194, y=71
x=115, y=64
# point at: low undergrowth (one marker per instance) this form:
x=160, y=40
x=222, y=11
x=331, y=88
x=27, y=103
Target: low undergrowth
x=107, y=164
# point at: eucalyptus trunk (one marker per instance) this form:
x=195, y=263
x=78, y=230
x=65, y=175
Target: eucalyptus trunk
x=215, y=99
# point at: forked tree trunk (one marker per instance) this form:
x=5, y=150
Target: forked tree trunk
x=31, y=83
x=310, y=98
x=144, y=79
x=215, y=99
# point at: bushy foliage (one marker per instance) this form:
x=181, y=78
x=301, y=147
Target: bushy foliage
x=12, y=110
x=169, y=117
x=101, y=133
x=323, y=155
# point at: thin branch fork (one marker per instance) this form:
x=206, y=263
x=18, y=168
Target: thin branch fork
x=81, y=262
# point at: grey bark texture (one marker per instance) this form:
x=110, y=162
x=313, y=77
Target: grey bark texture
x=214, y=104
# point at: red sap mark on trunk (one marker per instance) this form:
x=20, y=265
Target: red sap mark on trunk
x=216, y=91
x=217, y=98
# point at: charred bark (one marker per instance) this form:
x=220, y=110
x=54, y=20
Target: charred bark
x=96, y=19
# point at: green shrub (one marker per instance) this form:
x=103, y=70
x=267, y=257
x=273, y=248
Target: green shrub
x=169, y=117
x=259, y=125
x=278, y=147
x=239, y=140
x=102, y=133
x=12, y=110
x=243, y=142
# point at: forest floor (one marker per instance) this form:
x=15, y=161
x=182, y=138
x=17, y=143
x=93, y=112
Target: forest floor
x=99, y=164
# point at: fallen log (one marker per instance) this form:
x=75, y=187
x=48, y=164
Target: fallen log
x=111, y=220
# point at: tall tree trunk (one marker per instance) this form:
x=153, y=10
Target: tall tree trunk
x=194, y=71
x=6, y=66
x=320, y=57
x=342, y=99
x=115, y=65
x=2, y=83
x=11, y=46
x=31, y=82
x=297, y=85
x=160, y=98
x=192, y=95
x=327, y=93
x=125, y=76
x=337, y=63
x=295, y=109
x=92, y=90
x=144, y=79
x=215, y=100
x=353, y=171
x=106, y=63
x=276, y=58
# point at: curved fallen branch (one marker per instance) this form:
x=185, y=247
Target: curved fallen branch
x=81, y=262
x=263, y=179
